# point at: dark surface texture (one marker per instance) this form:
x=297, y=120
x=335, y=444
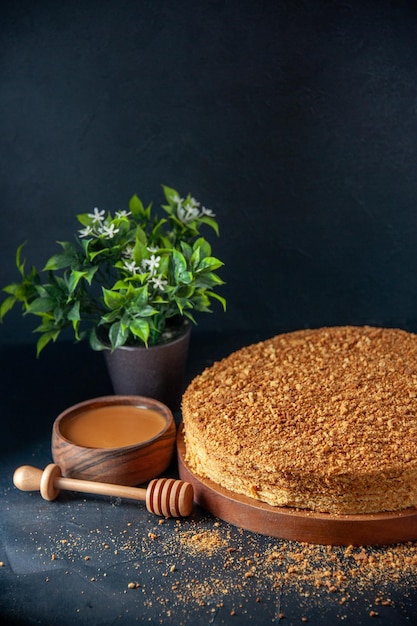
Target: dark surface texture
x=294, y=121
x=70, y=562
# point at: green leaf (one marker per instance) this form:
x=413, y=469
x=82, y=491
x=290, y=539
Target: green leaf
x=190, y=316
x=210, y=279
x=140, y=328
x=163, y=265
x=59, y=315
x=6, y=305
x=136, y=206
x=210, y=222
x=157, y=233
x=170, y=194
x=91, y=273
x=109, y=318
x=41, y=305
x=117, y=335
x=186, y=250
x=202, y=302
x=46, y=326
x=113, y=299
x=11, y=289
x=120, y=285
x=139, y=296
x=181, y=274
x=58, y=262
x=85, y=244
x=195, y=258
x=180, y=305
x=74, y=279
x=210, y=263
x=157, y=300
x=222, y=300
x=205, y=247
x=45, y=339
x=74, y=316
x=144, y=310
x=140, y=251
x=94, y=341
x=84, y=219
x=20, y=264
x=92, y=256
x=74, y=313
x=138, y=210
x=25, y=292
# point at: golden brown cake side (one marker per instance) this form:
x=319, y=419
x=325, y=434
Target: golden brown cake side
x=321, y=419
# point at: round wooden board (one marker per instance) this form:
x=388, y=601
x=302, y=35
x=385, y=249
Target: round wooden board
x=287, y=523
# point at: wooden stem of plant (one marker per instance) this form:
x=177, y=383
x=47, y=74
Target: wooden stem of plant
x=163, y=496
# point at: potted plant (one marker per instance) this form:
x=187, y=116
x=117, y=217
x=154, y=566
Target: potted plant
x=130, y=280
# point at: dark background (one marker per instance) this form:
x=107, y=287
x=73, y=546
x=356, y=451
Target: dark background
x=294, y=121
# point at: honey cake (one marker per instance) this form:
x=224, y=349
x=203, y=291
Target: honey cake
x=322, y=419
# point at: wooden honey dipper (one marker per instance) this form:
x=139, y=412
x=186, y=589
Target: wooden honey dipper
x=163, y=496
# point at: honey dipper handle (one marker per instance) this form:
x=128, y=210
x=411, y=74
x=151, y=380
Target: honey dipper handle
x=50, y=481
x=163, y=496
x=101, y=489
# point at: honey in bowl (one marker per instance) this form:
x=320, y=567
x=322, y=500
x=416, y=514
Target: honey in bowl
x=125, y=440
x=113, y=426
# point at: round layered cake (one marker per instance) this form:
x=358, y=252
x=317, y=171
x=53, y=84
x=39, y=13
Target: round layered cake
x=322, y=419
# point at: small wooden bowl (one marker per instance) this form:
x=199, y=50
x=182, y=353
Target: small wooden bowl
x=127, y=465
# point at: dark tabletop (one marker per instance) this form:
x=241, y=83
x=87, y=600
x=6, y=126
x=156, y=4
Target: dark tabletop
x=103, y=561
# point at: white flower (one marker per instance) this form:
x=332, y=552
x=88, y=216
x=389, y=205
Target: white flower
x=108, y=231
x=131, y=267
x=187, y=213
x=122, y=213
x=176, y=199
x=128, y=252
x=97, y=216
x=152, y=264
x=86, y=232
x=193, y=202
x=207, y=212
x=158, y=282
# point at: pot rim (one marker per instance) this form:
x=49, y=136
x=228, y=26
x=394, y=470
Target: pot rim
x=184, y=331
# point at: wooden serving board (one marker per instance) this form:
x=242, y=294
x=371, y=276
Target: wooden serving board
x=295, y=524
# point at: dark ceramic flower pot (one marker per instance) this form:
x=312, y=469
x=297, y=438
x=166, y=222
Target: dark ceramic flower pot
x=155, y=372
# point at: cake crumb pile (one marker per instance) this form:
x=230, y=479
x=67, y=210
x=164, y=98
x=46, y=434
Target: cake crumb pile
x=181, y=566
